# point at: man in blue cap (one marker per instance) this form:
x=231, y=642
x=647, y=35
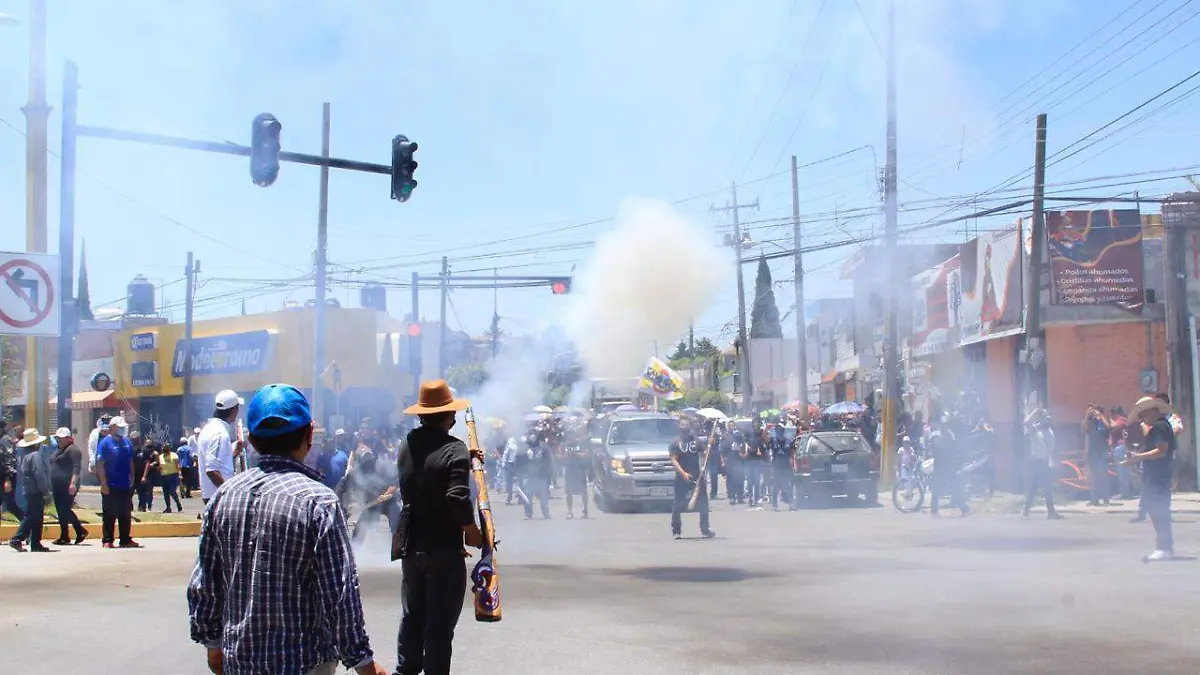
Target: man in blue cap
x=275, y=537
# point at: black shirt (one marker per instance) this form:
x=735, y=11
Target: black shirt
x=755, y=448
x=1157, y=472
x=64, y=465
x=434, y=469
x=687, y=451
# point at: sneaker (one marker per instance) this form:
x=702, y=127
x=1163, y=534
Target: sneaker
x=129, y=544
x=107, y=544
x=40, y=549
x=61, y=542
x=1159, y=555
x=80, y=537
x=1055, y=516
x=678, y=536
x=1138, y=519
x=708, y=534
x=17, y=546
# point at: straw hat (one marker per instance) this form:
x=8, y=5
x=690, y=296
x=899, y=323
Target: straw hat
x=436, y=397
x=1150, y=403
x=31, y=437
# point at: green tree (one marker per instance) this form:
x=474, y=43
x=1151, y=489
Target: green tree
x=83, y=297
x=764, y=315
x=466, y=377
x=705, y=348
x=680, y=353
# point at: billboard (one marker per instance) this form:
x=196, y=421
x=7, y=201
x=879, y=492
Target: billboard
x=991, y=302
x=934, y=315
x=1096, y=257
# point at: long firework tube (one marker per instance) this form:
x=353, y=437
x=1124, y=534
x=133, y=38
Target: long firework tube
x=485, y=578
x=703, y=468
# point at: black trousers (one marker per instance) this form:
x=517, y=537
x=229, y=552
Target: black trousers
x=1157, y=500
x=781, y=483
x=64, y=503
x=431, y=593
x=735, y=481
x=1039, y=476
x=117, y=508
x=370, y=516
x=683, y=492
x=31, y=525
x=714, y=475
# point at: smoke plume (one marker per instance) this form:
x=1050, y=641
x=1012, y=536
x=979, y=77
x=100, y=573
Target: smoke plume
x=648, y=278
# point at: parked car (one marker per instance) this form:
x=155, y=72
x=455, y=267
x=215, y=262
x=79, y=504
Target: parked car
x=833, y=464
x=631, y=460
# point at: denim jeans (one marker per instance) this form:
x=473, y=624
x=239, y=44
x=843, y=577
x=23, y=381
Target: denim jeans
x=782, y=483
x=1039, y=476
x=145, y=493
x=170, y=490
x=431, y=594
x=735, y=480
x=683, y=493
x=1157, y=500
x=1124, y=475
x=537, y=487
x=1098, y=476
x=754, y=472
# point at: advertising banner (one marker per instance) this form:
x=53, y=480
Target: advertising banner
x=991, y=300
x=1096, y=257
x=224, y=354
x=934, y=316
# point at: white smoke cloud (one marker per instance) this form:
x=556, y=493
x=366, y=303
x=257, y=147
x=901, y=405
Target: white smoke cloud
x=648, y=278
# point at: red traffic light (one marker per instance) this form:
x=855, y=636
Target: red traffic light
x=414, y=329
x=560, y=286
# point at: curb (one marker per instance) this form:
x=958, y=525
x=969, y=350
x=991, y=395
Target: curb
x=136, y=530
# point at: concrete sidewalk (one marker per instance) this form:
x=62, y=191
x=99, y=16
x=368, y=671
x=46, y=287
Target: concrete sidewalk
x=1181, y=502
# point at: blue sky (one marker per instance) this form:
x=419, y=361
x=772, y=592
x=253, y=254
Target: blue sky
x=536, y=118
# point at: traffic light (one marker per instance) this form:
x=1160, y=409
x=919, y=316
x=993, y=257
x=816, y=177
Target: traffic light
x=264, y=149
x=560, y=285
x=414, y=329
x=403, y=168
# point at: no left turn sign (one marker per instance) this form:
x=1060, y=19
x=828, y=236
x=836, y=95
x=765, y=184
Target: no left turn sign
x=29, y=294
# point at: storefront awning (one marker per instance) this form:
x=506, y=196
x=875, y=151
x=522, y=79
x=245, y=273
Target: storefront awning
x=88, y=400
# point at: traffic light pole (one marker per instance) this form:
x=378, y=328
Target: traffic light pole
x=445, y=278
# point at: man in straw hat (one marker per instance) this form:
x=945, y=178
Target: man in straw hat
x=275, y=588
x=36, y=476
x=437, y=518
x=1156, y=459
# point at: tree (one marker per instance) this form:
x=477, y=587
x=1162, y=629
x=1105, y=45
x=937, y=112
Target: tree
x=680, y=353
x=764, y=315
x=83, y=298
x=466, y=377
x=705, y=348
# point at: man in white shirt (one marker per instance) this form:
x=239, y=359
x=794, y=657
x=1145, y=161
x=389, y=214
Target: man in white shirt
x=217, y=444
x=94, y=437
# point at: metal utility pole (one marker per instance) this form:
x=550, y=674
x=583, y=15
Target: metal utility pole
x=1034, y=355
x=191, y=271
x=66, y=243
x=801, y=333
x=445, y=288
x=692, y=354
x=891, y=337
x=322, y=252
x=37, y=116
x=495, y=316
x=415, y=362
x=747, y=385
x=1181, y=220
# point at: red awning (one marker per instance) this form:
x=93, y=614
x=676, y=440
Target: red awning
x=89, y=400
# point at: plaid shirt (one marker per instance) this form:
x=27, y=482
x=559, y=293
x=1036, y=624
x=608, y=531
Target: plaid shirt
x=275, y=585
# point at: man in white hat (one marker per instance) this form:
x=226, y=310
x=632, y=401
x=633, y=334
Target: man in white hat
x=38, y=492
x=114, y=467
x=217, y=443
x=1156, y=458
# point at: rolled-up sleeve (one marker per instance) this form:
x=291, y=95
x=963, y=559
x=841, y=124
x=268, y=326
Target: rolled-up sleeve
x=337, y=586
x=206, y=590
x=458, y=484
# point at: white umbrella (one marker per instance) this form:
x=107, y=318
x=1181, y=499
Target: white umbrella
x=544, y=410
x=712, y=414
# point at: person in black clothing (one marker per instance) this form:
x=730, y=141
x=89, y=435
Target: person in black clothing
x=64, y=483
x=36, y=477
x=756, y=458
x=712, y=431
x=537, y=475
x=947, y=460
x=373, y=483
x=1156, y=461
x=734, y=449
x=142, y=458
x=686, y=456
x=8, y=472
x=437, y=518
x=577, y=468
x=782, y=452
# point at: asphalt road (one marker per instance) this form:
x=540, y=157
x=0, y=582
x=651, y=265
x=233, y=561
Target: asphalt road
x=828, y=591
